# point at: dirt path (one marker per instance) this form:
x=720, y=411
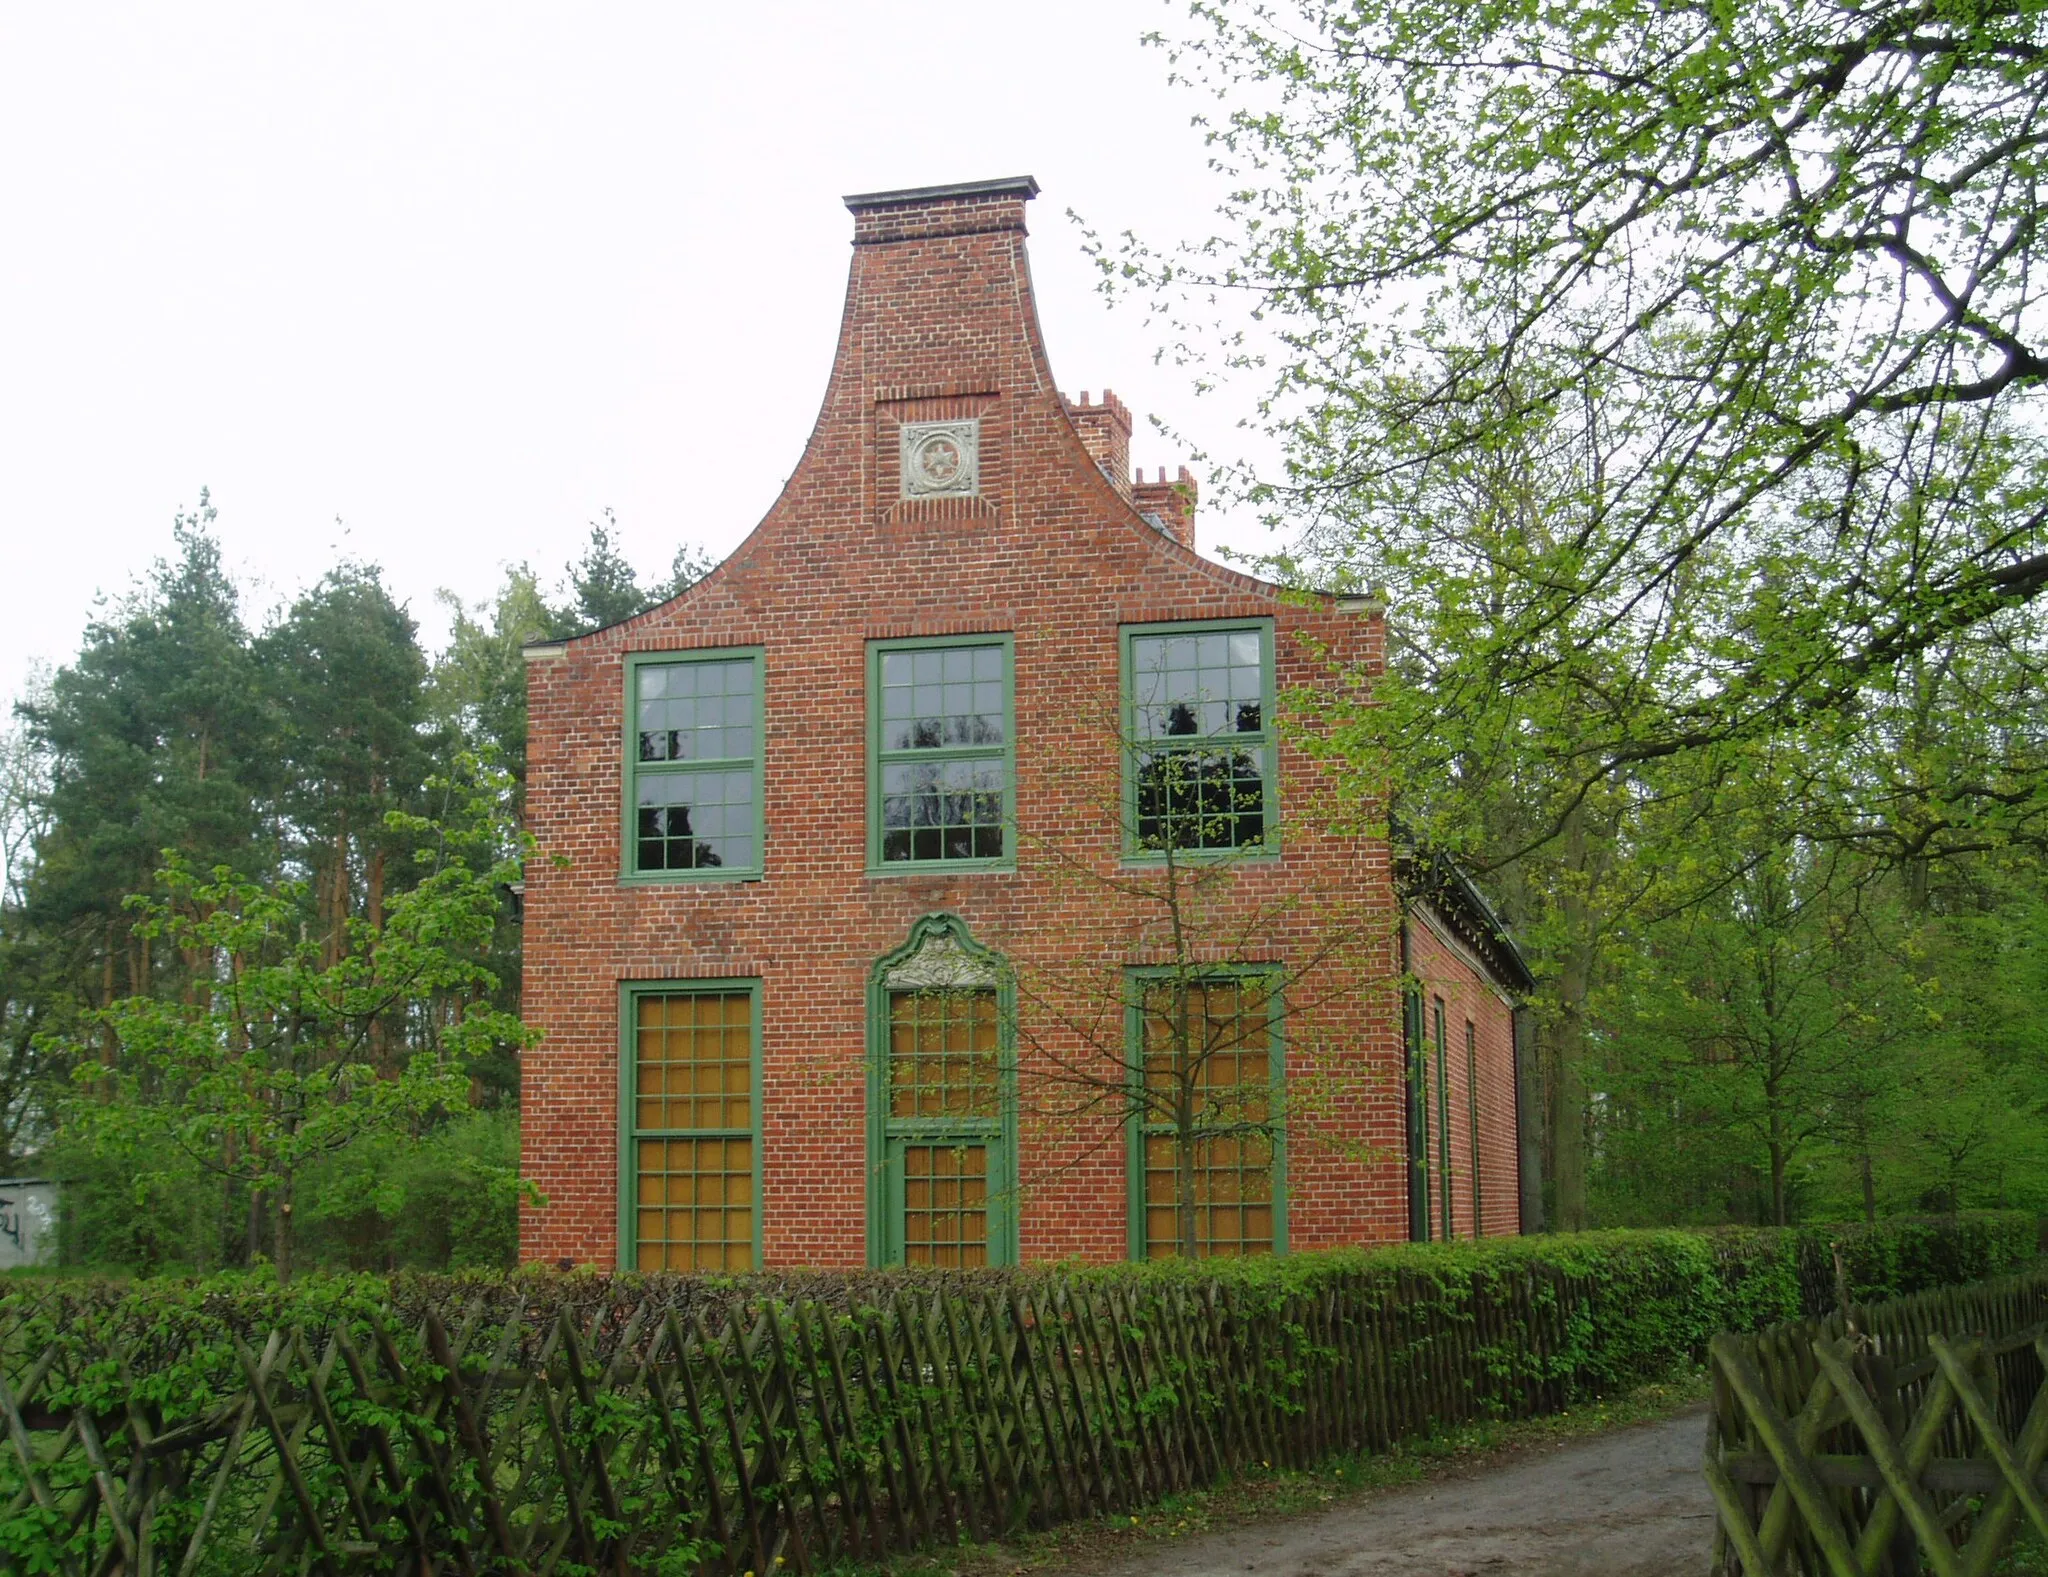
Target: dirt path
x=1627, y=1504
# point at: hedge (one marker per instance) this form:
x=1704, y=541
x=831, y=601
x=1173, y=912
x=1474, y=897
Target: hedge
x=550, y=1422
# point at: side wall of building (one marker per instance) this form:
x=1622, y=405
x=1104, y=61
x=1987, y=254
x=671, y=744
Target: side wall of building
x=1450, y=974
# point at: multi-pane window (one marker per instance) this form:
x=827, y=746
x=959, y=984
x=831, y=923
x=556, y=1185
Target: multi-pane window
x=942, y=735
x=1472, y=1103
x=1200, y=748
x=690, y=1145
x=1420, y=1215
x=943, y=1054
x=1443, y=1121
x=1208, y=1048
x=695, y=758
x=944, y=1121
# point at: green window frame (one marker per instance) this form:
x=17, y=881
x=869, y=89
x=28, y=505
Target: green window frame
x=694, y=743
x=1189, y=737
x=941, y=793
x=690, y=1124
x=1443, y=1122
x=1472, y=1102
x=1420, y=1214
x=942, y=1147
x=1144, y=1132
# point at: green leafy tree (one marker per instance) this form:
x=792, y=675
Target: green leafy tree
x=26, y=963
x=1166, y=1004
x=269, y=1069
x=157, y=736
x=1672, y=371
x=1758, y=1013
x=1767, y=273
x=604, y=588
x=354, y=741
x=478, y=688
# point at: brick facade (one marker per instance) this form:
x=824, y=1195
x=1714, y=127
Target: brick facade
x=1448, y=972
x=1054, y=553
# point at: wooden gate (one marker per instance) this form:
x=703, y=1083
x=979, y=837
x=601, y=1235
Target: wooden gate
x=1903, y=1438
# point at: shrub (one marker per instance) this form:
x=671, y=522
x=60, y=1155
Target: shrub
x=1107, y=1386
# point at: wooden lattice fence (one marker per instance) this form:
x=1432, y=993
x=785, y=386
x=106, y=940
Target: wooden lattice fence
x=675, y=1425
x=645, y=1439
x=1901, y=1438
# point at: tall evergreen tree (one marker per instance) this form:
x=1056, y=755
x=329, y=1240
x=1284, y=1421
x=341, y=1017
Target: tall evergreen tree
x=354, y=739
x=158, y=737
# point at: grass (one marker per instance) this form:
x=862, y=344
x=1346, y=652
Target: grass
x=1262, y=1496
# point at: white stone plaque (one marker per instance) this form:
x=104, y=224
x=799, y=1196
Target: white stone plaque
x=28, y=1221
x=941, y=459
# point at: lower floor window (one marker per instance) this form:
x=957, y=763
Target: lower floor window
x=691, y=1147
x=1207, y=1129
x=944, y=1204
x=941, y=1114
x=945, y=1116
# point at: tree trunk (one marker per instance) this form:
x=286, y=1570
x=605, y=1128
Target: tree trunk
x=224, y=1228
x=110, y=1045
x=373, y=910
x=1184, y=1160
x=1869, y=1191
x=337, y=899
x=1184, y=1117
x=282, y=1235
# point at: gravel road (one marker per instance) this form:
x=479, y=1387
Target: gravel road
x=1627, y=1504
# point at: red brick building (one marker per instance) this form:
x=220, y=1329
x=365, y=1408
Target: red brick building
x=877, y=868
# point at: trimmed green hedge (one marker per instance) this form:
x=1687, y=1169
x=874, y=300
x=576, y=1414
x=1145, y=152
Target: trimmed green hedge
x=1643, y=1300
x=960, y=1404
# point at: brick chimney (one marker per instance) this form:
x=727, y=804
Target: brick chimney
x=1168, y=505
x=1106, y=430
x=926, y=212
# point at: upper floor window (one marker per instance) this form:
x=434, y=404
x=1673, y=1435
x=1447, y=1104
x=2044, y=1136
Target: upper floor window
x=693, y=760
x=940, y=738
x=1199, y=770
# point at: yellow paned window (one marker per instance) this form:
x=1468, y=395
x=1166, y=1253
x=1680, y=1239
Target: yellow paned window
x=693, y=1161
x=1213, y=1037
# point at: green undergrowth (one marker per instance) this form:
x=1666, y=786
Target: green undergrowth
x=1263, y=1496
x=1457, y=1340
x=1646, y=1298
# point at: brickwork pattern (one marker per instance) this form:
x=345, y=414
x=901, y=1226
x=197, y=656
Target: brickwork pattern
x=939, y=324
x=1447, y=971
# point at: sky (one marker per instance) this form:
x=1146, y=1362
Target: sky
x=434, y=285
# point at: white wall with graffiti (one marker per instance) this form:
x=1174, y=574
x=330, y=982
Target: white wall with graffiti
x=28, y=1221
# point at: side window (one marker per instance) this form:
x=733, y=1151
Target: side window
x=1443, y=1119
x=1198, y=747
x=690, y=1126
x=693, y=765
x=1472, y=1103
x=1420, y=1216
x=1208, y=1178
x=940, y=753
